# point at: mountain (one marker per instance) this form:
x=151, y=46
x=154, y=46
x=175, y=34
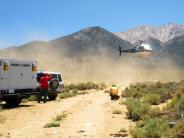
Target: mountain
x=89, y=41
x=162, y=33
x=83, y=55
x=175, y=50
x=91, y=54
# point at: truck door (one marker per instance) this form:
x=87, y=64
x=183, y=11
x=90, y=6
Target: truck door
x=4, y=75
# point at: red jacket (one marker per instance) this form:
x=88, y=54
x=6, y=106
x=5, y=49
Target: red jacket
x=44, y=82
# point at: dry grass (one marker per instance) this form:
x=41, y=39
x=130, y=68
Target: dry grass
x=55, y=122
x=60, y=117
x=65, y=95
x=116, y=111
x=123, y=130
x=52, y=124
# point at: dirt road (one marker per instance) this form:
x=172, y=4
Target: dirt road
x=90, y=116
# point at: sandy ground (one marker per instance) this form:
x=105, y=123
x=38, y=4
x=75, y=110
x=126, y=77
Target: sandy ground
x=90, y=116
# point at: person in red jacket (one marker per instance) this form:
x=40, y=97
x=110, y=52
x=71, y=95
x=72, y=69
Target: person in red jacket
x=44, y=86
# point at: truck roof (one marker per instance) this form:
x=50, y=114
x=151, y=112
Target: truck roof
x=49, y=72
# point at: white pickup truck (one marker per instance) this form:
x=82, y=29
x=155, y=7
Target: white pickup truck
x=52, y=93
x=18, y=78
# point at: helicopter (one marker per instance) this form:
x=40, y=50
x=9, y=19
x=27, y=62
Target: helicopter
x=140, y=47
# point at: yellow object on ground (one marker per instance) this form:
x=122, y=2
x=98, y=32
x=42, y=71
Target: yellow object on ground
x=114, y=90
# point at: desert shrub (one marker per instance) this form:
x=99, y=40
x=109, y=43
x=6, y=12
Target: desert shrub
x=153, y=112
x=180, y=104
x=172, y=103
x=102, y=86
x=175, y=108
x=151, y=128
x=123, y=130
x=66, y=95
x=179, y=92
x=91, y=85
x=138, y=90
x=83, y=92
x=52, y=124
x=72, y=87
x=24, y=100
x=122, y=102
x=66, y=89
x=178, y=96
x=72, y=94
x=75, y=92
x=60, y=117
x=86, y=86
x=106, y=91
x=55, y=122
x=132, y=92
x=32, y=98
x=178, y=130
x=153, y=99
x=164, y=95
x=136, y=109
x=116, y=111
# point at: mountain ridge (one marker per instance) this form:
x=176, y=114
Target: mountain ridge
x=163, y=32
x=92, y=53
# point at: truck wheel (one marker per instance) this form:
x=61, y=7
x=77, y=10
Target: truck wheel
x=13, y=101
x=112, y=97
x=53, y=96
x=54, y=84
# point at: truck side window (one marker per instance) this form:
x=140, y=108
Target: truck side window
x=54, y=76
x=59, y=77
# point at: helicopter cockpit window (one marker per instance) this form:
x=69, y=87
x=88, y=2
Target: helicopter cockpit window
x=141, y=48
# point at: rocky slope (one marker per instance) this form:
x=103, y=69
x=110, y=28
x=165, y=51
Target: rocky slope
x=163, y=33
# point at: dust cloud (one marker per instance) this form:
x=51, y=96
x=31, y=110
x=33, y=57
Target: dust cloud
x=101, y=66
x=108, y=69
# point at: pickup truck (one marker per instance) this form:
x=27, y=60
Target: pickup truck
x=53, y=92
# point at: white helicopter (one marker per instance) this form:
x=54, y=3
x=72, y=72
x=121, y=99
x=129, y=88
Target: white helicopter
x=140, y=47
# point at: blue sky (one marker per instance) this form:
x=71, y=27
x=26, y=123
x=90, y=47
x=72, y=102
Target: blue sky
x=22, y=21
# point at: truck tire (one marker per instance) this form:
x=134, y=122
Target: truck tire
x=13, y=101
x=52, y=96
x=54, y=84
